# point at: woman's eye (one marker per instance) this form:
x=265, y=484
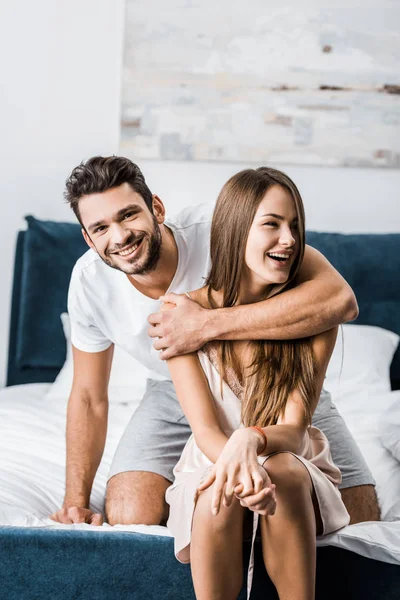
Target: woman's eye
x=270, y=223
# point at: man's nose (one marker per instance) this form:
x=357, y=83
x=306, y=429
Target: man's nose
x=119, y=233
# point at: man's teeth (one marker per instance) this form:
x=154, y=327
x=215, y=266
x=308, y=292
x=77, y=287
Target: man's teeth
x=128, y=250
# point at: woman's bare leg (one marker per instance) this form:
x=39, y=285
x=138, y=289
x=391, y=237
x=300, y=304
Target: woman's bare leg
x=289, y=536
x=216, y=549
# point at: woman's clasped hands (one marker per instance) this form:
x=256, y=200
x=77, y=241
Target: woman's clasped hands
x=237, y=473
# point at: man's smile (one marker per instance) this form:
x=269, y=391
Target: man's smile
x=129, y=251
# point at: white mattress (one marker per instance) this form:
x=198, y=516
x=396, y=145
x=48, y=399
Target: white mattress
x=32, y=466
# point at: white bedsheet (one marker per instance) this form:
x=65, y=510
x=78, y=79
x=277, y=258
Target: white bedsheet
x=32, y=466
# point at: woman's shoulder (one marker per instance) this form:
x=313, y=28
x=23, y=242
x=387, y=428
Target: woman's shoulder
x=200, y=296
x=325, y=338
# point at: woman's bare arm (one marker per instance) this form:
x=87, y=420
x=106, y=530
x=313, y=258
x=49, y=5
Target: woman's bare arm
x=197, y=403
x=194, y=395
x=288, y=433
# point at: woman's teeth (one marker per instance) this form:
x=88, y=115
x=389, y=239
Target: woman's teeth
x=278, y=256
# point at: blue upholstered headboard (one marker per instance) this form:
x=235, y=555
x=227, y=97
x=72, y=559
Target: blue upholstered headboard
x=45, y=255
x=47, y=251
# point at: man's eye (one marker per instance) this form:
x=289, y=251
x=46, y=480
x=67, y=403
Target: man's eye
x=128, y=214
x=99, y=229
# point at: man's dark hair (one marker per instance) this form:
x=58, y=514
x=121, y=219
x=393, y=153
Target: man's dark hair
x=99, y=174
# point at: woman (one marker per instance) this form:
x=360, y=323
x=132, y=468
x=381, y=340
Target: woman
x=249, y=404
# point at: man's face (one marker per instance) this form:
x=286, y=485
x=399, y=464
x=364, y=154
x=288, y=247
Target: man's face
x=122, y=230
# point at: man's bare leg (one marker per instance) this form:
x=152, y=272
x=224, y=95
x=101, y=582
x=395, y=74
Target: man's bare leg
x=361, y=503
x=136, y=497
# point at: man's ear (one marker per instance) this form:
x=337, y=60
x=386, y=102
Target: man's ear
x=87, y=239
x=158, y=209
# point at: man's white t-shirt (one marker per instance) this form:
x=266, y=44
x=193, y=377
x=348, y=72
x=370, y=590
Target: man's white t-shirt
x=105, y=308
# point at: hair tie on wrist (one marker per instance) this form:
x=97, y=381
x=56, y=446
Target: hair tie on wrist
x=260, y=452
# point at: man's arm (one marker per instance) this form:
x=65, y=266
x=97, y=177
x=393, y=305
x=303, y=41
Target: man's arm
x=86, y=432
x=321, y=300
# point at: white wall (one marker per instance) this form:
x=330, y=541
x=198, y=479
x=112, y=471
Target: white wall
x=336, y=199
x=59, y=103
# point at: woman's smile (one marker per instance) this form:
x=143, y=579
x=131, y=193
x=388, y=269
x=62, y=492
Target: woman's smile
x=280, y=260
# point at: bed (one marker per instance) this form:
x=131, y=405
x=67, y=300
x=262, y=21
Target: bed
x=44, y=560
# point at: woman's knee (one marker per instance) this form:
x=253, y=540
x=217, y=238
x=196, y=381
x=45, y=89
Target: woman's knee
x=226, y=515
x=288, y=473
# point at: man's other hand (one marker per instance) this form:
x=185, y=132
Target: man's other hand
x=180, y=330
x=77, y=514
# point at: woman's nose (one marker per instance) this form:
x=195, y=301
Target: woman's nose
x=286, y=238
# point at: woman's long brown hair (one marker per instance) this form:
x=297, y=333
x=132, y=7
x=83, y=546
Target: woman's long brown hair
x=278, y=367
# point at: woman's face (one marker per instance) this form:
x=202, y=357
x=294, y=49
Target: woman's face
x=272, y=244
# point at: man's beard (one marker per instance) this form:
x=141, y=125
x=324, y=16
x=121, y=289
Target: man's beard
x=154, y=244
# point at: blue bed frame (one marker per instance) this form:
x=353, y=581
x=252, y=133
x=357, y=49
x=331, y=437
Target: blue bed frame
x=69, y=565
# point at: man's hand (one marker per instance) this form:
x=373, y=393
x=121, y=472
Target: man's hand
x=77, y=514
x=180, y=330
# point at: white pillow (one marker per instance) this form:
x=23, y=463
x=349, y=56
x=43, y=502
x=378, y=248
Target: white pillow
x=363, y=396
x=127, y=378
x=389, y=428
x=368, y=353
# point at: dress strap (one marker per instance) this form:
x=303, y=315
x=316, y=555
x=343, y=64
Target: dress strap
x=188, y=295
x=250, y=572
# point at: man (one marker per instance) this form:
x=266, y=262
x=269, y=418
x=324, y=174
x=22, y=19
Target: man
x=136, y=256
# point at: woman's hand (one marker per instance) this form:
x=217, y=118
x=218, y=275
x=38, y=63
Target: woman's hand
x=236, y=471
x=263, y=502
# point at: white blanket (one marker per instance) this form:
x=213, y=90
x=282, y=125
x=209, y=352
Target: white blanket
x=32, y=466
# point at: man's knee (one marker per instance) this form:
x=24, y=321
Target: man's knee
x=361, y=503
x=136, y=498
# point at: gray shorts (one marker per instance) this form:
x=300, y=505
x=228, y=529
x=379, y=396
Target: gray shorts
x=158, y=431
